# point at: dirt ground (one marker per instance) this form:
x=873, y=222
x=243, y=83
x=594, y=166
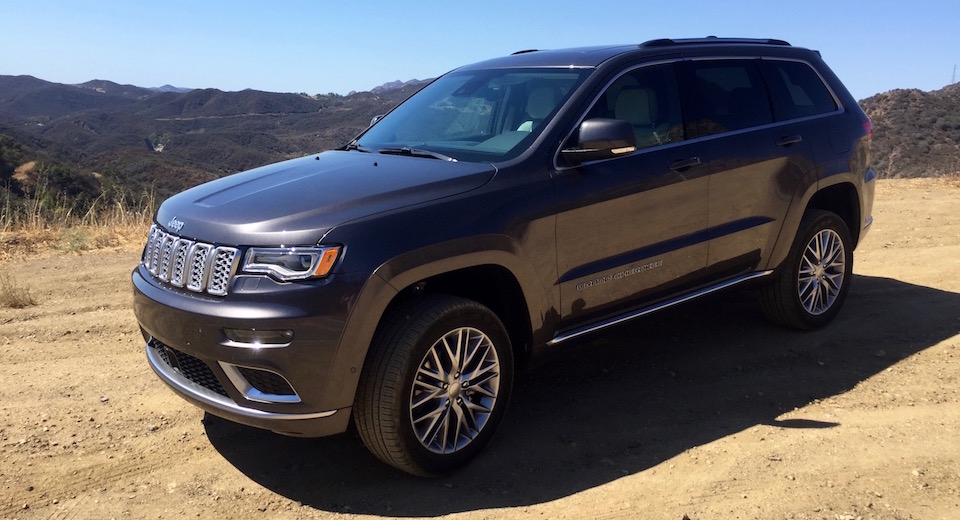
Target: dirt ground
x=703, y=412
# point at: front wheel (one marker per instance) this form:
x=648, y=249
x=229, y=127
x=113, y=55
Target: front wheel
x=436, y=384
x=813, y=283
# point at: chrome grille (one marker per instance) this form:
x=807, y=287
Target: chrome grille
x=184, y=263
x=179, y=262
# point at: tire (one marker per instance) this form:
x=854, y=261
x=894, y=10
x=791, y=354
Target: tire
x=814, y=280
x=427, y=407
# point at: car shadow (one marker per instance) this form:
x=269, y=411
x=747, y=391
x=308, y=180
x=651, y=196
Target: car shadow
x=620, y=403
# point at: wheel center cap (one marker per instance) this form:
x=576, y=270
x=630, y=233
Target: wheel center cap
x=454, y=389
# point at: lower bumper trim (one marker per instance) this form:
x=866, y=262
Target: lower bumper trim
x=211, y=400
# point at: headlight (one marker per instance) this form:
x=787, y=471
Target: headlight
x=291, y=263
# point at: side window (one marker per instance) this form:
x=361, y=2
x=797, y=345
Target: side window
x=728, y=95
x=797, y=90
x=648, y=98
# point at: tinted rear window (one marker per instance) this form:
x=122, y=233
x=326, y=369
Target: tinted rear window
x=797, y=90
x=730, y=95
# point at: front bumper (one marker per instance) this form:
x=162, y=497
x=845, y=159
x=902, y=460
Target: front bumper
x=306, y=424
x=293, y=389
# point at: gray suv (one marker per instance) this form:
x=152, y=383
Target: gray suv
x=505, y=209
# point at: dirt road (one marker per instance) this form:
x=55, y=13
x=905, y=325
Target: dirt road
x=707, y=411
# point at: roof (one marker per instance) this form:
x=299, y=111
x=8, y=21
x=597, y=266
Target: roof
x=594, y=56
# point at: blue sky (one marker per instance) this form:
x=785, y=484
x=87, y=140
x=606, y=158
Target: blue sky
x=319, y=47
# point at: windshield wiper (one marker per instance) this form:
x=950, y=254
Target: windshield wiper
x=416, y=152
x=357, y=147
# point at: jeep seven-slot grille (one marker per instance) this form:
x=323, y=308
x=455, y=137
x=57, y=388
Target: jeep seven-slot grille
x=189, y=367
x=192, y=265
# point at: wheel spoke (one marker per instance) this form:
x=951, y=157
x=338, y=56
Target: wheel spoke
x=834, y=254
x=833, y=281
x=481, y=374
x=806, y=284
x=425, y=397
x=821, y=272
x=452, y=357
x=476, y=407
x=433, y=375
x=455, y=390
x=466, y=423
x=429, y=433
x=472, y=352
x=445, y=428
x=480, y=383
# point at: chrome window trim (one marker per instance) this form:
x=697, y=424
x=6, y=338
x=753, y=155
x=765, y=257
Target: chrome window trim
x=601, y=92
x=836, y=99
x=840, y=108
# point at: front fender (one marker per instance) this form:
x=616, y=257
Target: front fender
x=405, y=270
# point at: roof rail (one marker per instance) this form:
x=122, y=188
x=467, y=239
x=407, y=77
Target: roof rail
x=667, y=42
x=524, y=51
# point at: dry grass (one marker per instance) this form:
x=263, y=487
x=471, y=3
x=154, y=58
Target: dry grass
x=43, y=223
x=14, y=296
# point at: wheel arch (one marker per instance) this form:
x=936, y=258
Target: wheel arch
x=843, y=200
x=491, y=285
x=485, y=269
x=837, y=194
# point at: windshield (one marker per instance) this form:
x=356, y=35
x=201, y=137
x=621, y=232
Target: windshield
x=476, y=115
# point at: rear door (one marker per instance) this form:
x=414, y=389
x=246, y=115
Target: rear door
x=754, y=164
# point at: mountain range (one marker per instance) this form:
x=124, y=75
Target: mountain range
x=102, y=134
x=168, y=138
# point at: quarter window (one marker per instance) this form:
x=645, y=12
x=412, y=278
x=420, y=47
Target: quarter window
x=797, y=90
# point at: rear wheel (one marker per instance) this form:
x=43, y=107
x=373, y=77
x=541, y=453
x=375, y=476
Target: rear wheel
x=436, y=384
x=812, y=285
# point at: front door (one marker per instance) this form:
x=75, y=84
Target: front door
x=630, y=228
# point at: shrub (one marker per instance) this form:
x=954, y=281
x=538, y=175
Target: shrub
x=13, y=295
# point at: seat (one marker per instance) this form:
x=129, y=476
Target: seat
x=638, y=106
x=540, y=102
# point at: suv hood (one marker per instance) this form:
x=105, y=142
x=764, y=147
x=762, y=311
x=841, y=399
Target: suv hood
x=296, y=202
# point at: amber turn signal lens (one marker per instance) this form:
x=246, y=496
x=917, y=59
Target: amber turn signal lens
x=326, y=261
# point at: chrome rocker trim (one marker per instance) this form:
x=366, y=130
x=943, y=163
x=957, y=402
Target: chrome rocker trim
x=194, y=392
x=616, y=320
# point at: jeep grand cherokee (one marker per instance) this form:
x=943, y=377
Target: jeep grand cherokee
x=506, y=208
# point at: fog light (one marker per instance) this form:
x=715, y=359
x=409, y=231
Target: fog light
x=259, y=338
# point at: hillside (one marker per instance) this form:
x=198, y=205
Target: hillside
x=98, y=136
x=915, y=133
x=168, y=139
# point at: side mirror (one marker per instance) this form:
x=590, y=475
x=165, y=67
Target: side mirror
x=601, y=138
x=376, y=118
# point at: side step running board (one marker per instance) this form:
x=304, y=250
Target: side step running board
x=616, y=320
